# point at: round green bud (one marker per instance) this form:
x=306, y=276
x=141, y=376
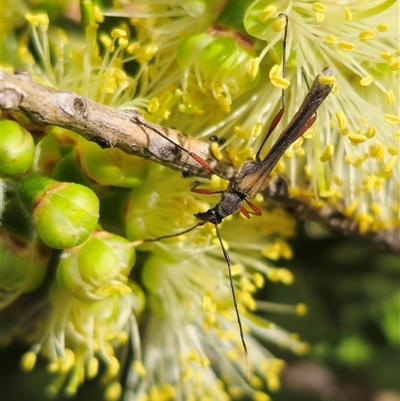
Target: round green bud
x=98, y=268
x=64, y=214
x=16, y=148
x=23, y=264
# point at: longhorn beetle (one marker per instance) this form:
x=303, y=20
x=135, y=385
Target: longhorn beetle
x=253, y=173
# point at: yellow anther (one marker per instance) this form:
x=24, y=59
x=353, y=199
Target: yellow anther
x=302, y=349
x=319, y=17
x=327, y=153
x=133, y=47
x=224, y=104
x=186, y=373
x=365, y=221
x=278, y=25
x=275, y=71
x=366, y=35
x=241, y=133
x=330, y=40
x=301, y=309
x=279, y=82
x=256, y=130
x=376, y=209
x=232, y=354
x=357, y=138
x=216, y=151
x=236, y=392
x=385, y=56
x=347, y=14
x=206, y=303
x=366, y=81
x=261, y=396
x=298, y=143
x=38, y=19
x=389, y=165
x=165, y=98
x=253, y=67
x=396, y=134
x=256, y=382
x=371, y=131
x=309, y=133
x=341, y=119
x=92, y=368
x=308, y=171
x=390, y=98
x=98, y=16
x=259, y=280
x=361, y=160
x=319, y=7
x=326, y=80
x=118, y=33
x=286, y=276
x=351, y=208
x=394, y=64
x=382, y=27
x=346, y=46
x=123, y=43
x=267, y=13
x=113, y=391
x=139, y=368
x=393, y=151
x=28, y=361
x=391, y=119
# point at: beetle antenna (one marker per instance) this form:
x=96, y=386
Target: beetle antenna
x=228, y=262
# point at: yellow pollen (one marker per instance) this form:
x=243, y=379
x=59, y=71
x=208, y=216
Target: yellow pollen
x=256, y=130
x=385, y=56
x=241, y=133
x=253, y=67
x=357, y=138
x=267, y=13
x=347, y=14
x=382, y=27
x=366, y=81
x=225, y=106
x=346, y=46
x=371, y=131
x=326, y=80
x=216, y=151
x=153, y=105
x=118, y=33
x=261, y=396
x=28, y=361
x=391, y=119
x=327, y=153
x=319, y=7
x=330, y=40
x=390, y=98
x=366, y=35
x=394, y=64
x=301, y=309
x=389, y=165
x=376, y=209
x=278, y=25
x=341, y=119
x=351, y=208
x=319, y=17
x=281, y=83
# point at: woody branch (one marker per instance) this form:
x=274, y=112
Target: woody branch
x=111, y=127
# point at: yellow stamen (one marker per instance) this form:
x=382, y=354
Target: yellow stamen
x=382, y=27
x=346, y=46
x=225, y=106
x=319, y=7
x=28, y=361
x=366, y=81
x=391, y=119
x=327, y=153
x=366, y=35
x=357, y=138
x=216, y=151
x=326, y=80
x=281, y=83
x=390, y=98
x=348, y=14
x=118, y=33
x=330, y=40
x=341, y=119
x=267, y=13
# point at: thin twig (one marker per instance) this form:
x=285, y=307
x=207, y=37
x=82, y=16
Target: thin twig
x=112, y=127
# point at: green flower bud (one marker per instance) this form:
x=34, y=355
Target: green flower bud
x=16, y=148
x=98, y=268
x=64, y=214
x=23, y=263
x=109, y=166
